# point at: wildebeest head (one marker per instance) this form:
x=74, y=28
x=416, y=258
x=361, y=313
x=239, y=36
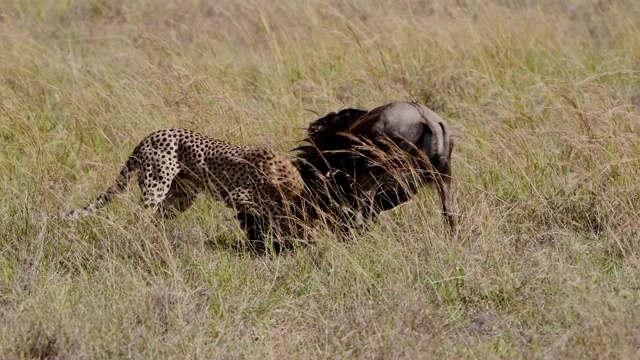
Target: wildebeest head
x=381, y=157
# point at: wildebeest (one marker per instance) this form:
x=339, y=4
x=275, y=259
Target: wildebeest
x=376, y=160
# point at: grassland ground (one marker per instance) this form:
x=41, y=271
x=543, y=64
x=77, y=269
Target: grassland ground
x=544, y=100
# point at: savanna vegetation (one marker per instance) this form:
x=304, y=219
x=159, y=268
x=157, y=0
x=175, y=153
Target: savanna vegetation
x=543, y=98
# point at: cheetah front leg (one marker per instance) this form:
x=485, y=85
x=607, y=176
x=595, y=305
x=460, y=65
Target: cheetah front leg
x=240, y=199
x=254, y=218
x=256, y=228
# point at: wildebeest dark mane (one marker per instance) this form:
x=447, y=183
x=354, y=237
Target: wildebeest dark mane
x=333, y=136
x=323, y=134
x=335, y=122
x=331, y=155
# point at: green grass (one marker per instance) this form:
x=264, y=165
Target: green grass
x=543, y=97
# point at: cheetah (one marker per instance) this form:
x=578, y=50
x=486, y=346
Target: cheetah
x=174, y=165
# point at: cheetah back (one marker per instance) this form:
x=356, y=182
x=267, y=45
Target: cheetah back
x=176, y=164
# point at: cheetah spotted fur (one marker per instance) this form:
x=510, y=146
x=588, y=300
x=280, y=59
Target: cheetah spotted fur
x=174, y=165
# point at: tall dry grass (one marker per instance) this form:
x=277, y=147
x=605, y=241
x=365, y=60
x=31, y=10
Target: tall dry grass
x=544, y=99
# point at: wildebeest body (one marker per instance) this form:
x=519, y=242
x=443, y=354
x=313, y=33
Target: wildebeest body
x=357, y=151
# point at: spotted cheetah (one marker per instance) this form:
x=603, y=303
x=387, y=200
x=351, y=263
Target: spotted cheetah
x=174, y=165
